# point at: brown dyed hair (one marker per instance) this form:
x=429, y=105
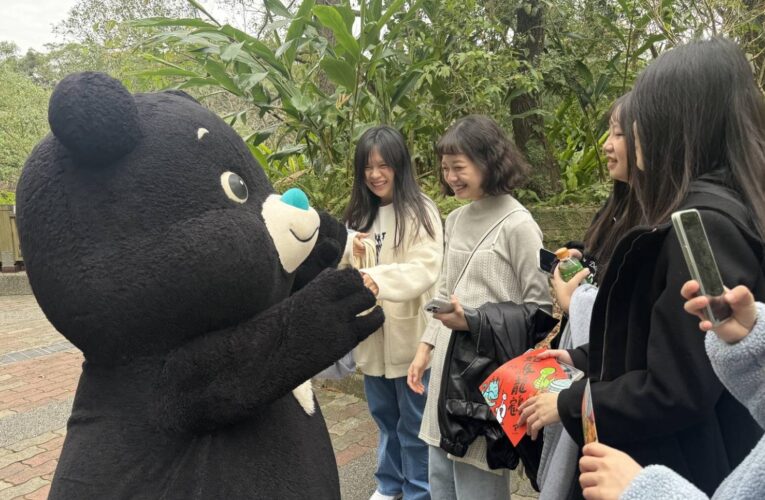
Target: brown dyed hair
x=483, y=141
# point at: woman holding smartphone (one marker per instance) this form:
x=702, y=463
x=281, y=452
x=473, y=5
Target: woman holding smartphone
x=492, y=245
x=736, y=349
x=699, y=123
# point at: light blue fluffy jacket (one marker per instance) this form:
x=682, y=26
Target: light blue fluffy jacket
x=741, y=367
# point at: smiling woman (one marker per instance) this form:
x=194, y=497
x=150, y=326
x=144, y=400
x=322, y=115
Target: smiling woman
x=399, y=253
x=490, y=256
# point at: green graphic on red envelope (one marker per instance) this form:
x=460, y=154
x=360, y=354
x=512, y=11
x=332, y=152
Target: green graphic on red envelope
x=511, y=384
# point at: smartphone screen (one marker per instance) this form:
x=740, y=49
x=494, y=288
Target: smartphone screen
x=547, y=260
x=701, y=262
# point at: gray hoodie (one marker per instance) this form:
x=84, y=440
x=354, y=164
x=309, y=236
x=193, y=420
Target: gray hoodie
x=741, y=368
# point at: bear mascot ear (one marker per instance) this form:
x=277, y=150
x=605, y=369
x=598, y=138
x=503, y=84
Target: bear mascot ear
x=95, y=117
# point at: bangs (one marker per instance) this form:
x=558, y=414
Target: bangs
x=451, y=143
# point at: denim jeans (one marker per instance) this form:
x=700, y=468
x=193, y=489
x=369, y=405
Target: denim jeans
x=402, y=457
x=451, y=480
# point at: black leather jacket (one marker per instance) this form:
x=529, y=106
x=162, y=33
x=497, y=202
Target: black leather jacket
x=498, y=333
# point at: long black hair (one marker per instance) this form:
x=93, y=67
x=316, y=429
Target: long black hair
x=408, y=200
x=622, y=210
x=698, y=111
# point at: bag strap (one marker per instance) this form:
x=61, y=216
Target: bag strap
x=480, y=241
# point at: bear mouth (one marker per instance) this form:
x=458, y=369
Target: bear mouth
x=306, y=240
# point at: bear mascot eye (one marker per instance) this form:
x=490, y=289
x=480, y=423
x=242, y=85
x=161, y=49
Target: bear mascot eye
x=234, y=187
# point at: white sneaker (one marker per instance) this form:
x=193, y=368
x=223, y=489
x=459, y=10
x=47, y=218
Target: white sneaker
x=379, y=496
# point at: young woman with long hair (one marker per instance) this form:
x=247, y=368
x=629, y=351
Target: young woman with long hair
x=621, y=212
x=699, y=123
x=401, y=261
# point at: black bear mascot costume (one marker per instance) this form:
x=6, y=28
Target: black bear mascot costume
x=154, y=242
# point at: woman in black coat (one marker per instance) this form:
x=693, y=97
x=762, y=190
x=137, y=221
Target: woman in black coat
x=699, y=132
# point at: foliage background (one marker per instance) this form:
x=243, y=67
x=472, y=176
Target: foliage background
x=301, y=80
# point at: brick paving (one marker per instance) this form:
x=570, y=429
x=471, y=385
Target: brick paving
x=38, y=376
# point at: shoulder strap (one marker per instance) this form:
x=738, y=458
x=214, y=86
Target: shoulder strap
x=718, y=191
x=481, y=240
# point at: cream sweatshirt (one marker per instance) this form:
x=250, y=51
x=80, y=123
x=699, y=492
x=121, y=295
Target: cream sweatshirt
x=406, y=277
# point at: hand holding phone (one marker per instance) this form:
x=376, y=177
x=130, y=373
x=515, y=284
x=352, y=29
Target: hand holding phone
x=439, y=305
x=701, y=263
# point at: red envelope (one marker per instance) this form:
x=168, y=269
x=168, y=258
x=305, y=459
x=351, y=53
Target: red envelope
x=519, y=379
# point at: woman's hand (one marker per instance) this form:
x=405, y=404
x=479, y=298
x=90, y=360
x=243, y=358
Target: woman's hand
x=370, y=283
x=560, y=355
x=741, y=301
x=565, y=289
x=358, y=246
x=605, y=472
x=539, y=411
x=417, y=368
x=454, y=320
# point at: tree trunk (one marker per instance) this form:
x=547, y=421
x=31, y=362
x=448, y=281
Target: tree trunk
x=528, y=130
x=753, y=42
x=324, y=84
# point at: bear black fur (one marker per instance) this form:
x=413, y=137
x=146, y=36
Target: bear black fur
x=176, y=295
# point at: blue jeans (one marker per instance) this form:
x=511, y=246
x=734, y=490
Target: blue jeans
x=402, y=457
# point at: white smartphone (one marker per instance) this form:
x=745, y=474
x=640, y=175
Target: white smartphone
x=701, y=263
x=439, y=305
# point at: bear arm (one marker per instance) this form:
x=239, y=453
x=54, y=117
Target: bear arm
x=223, y=377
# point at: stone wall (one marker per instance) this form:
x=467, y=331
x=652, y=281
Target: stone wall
x=562, y=224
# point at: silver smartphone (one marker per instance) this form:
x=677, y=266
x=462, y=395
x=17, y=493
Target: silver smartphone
x=701, y=263
x=439, y=305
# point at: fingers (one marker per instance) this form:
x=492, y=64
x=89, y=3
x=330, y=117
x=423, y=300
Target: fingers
x=561, y=355
x=695, y=305
x=527, y=411
x=414, y=380
x=596, y=450
x=705, y=325
x=556, y=275
x=527, y=404
x=739, y=298
x=549, y=353
x=588, y=464
x=534, y=428
x=690, y=289
x=580, y=276
x=589, y=485
x=370, y=284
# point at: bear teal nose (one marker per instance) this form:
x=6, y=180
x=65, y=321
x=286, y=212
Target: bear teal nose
x=296, y=198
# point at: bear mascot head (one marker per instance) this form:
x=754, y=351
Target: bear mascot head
x=154, y=242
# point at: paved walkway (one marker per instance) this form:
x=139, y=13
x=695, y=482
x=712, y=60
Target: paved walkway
x=38, y=375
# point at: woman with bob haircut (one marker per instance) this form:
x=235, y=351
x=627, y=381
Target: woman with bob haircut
x=699, y=123
x=400, y=247
x=491, y=252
